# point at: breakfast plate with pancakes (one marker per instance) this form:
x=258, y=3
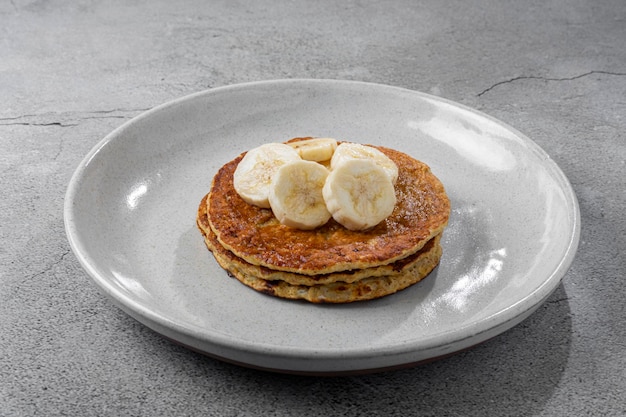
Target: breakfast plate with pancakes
x=501, y=228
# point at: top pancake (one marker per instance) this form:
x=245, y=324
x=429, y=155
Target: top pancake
x=255, y=235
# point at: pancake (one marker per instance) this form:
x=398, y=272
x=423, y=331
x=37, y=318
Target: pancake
x=254, y=235
x=342, y=292
x=239, y=267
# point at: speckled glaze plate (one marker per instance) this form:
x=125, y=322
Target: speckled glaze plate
x=130, y=218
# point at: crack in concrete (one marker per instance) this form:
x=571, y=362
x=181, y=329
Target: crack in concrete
x=534, y=77
x=97, y=114
x=51, y=266
x=39, y=124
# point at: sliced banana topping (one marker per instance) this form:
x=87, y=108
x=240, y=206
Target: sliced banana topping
x=315, y=149
x=255, y=171
x=307, y=182
x=347, y=151
x=295, y=195
x=359, y=194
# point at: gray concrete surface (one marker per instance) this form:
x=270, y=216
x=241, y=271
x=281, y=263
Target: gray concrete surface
x=70, y=72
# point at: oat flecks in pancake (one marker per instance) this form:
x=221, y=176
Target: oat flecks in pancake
x=253, y=233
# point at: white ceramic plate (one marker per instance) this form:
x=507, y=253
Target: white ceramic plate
x=130, y=218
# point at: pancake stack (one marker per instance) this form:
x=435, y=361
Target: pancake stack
x=329, y=264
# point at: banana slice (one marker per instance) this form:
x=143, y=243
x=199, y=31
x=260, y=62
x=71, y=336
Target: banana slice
x=359, y=194
x=295, y=195
x=347, y=151
x=254, y=173
x=315, y=149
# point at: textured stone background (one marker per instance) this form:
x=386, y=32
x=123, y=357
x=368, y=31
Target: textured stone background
x=70, y=72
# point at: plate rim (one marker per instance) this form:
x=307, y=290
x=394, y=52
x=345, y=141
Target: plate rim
x=134, y=309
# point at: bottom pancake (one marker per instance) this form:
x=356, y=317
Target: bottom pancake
x=339, y=292
x=340, y=287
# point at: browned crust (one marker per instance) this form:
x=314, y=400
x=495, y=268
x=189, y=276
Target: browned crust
x=254, y=234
